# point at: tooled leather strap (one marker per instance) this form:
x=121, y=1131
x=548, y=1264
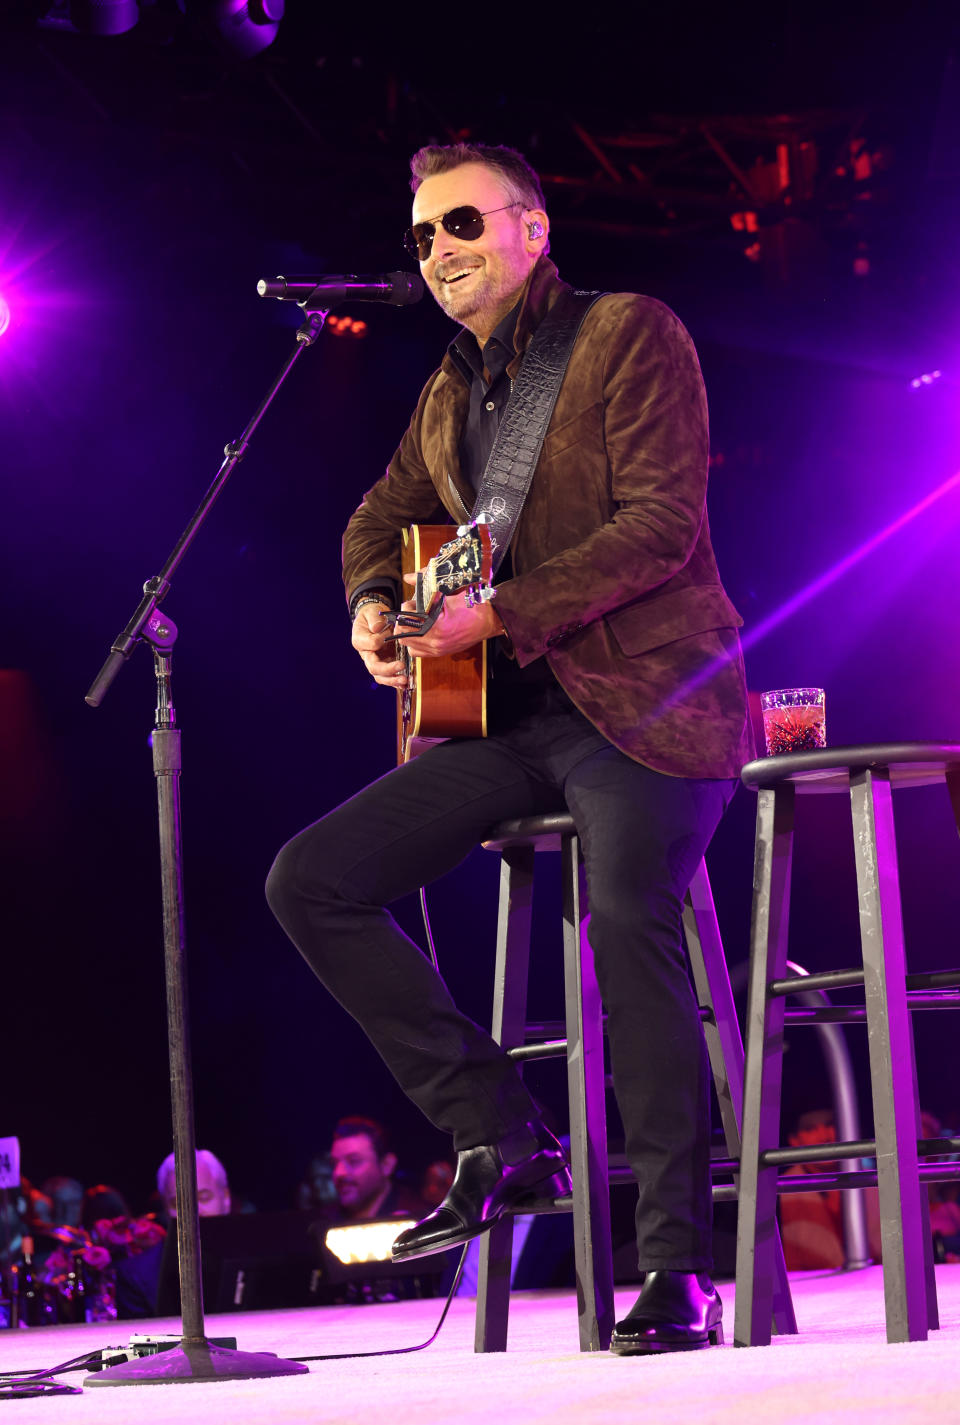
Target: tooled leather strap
x=509, y=470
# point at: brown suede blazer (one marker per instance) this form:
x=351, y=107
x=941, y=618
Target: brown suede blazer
x=615, y=581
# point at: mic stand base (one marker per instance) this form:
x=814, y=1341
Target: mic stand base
x=197, y=1361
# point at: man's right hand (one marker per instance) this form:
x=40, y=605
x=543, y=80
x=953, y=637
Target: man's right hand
x=371, y=639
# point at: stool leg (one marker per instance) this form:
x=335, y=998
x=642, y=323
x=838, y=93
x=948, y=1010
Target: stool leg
x=725, y=1048
x=593, y=1251
x=929, y=1268
x=890, y=1041
x=953, y=789
x=763, y=1068
x=511, y=973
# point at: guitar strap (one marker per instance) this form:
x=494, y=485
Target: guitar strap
x=508, y=473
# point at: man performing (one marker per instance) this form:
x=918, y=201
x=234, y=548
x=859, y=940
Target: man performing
x=616, y=691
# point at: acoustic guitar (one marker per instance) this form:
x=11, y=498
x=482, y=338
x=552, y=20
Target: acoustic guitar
x=447, y=696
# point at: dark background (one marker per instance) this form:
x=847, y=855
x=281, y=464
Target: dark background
x=146, y=181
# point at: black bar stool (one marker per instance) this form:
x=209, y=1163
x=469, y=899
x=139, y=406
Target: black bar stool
x=868, y=775
x=580, y=1040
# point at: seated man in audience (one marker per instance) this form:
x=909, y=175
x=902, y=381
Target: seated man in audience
x=139, y=1277
x=316, y=1189
x=213, y=1189
x=66, y=1195
x=363, y=1169
x=811, y=1223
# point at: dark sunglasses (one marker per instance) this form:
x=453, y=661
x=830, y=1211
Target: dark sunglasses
x=465, y=223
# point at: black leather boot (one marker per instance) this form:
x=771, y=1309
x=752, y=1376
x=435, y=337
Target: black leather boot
x=675, y=1311
x=489, y=1182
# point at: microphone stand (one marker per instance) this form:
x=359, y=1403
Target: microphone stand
x=196, y=1358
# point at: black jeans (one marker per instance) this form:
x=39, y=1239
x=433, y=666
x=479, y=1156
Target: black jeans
x=643, y=835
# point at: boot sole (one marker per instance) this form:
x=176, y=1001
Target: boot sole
x=625, y=1347
x=558, y=1185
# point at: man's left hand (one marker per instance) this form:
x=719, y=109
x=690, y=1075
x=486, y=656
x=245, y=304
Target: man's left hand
x=457, y=628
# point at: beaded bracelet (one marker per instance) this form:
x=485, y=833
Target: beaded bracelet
x=381, y=599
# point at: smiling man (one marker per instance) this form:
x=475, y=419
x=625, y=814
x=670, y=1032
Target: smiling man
x=363, y=1166
x=616, y=692
x=477, y=285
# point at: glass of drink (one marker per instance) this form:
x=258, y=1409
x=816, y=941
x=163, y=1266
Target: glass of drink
x=793, y=720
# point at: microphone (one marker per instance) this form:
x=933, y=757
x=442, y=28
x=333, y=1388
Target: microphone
x=398, y=289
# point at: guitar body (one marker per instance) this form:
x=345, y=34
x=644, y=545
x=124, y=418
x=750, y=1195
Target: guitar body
x=446, y=697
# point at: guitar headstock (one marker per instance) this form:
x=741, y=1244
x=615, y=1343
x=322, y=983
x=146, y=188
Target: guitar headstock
x=463, y=562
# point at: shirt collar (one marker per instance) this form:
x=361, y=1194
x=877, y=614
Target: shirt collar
x=542, y=289
x=465, y=349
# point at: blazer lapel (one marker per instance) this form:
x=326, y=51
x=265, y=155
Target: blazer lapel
x=455, y=490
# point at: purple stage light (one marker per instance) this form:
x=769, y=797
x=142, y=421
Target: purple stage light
x=929, y=378
x=4, y=316
x=790, y=606
x=848, y=562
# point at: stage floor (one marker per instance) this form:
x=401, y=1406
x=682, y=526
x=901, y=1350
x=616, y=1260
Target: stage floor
x=838, y=1368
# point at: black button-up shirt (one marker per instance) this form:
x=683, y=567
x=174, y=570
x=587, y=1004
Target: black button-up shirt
x=513, y=692
x=486, y=373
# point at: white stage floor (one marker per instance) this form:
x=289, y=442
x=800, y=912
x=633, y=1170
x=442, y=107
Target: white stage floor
x=839, y=1367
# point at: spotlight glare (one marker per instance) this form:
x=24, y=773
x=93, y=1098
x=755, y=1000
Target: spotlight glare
x=4, y=316
x=104, y=17
x=927, y=379
x=241, y=27
x=365, y=1241
x=811, y=591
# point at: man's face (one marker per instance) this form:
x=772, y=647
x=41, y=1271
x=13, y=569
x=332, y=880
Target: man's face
x=213, y=1200
x=477, y=283
x=359, y=1176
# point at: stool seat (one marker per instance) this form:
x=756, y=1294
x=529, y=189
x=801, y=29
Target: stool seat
x=827, y=769
x=543, y=832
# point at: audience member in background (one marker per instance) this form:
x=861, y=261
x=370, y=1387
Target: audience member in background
x=437, y=1181
x=213, y=1189
x=36, y=1208
x=66, y=1195
x=811, y=1223
x=103, y=1202
x=15, y=1221
x=944, y=1207
x=109, y=1265
x=317, y=1189
x=138, y=1275
x=363, y=1169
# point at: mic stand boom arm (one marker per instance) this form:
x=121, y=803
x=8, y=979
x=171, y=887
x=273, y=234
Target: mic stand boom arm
x=196, y=1358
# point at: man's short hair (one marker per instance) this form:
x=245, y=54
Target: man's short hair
x=166, y=1173
x=354, y=1125
x=513, y=170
